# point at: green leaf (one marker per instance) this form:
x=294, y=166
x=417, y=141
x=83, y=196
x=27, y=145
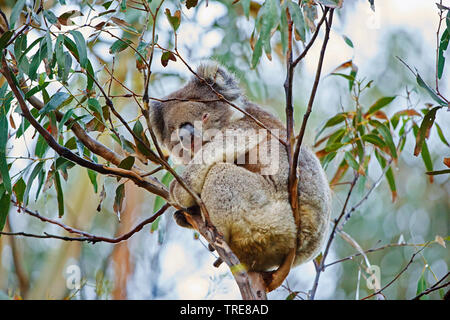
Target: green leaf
x=123, y=5
x=64, y=119
x=41, y=147
x=63, y=164
x=297, y=18
x=5, y=38
x=93, y=178
x=425, y=126
x=127, y=163
x=4, y=170
x=5, y=203
x=340, y=117
x=348, y=41
x=426, y=157
x=336, y=137
x=118, y=199
x=81, y=48
x=257, y=52
x=442, y=48
x=48, y=41
x=267, y=20
x=72, y=47
x=59, y=194
x=31, y=178
x=159, y=202
x=373, y=139
x=380, y=103
x=37, y=59
x=95, y=107
x=327, y=159
x=41, y=178
x=421, y=287
x=352, y=162
x=119, y=45
x=139, y=131
x=31, y=46
x=441, y=64
x=441, y=135
x=391, y=181
x=430, y=91
x=246, y=7
x=15, y=13
x=19, y=189
x=333, y=147
x=389, y=175
x=174, y=20
x=386, y=133
x=50, y=16
x=155, y=224
x=343, y=75
x=55, y=102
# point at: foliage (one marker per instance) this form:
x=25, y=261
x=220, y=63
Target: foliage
x=51, y=55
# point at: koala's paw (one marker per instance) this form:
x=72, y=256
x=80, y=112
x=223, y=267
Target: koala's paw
x=180, y=218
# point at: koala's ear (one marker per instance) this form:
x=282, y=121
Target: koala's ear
x=221, y=79
x=156, y=115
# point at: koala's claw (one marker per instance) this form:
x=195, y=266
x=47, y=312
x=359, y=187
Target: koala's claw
x=181, y=220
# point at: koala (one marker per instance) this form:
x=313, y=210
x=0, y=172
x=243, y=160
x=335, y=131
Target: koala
x=247, y=201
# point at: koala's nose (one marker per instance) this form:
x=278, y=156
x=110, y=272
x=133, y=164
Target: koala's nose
x=187, y=135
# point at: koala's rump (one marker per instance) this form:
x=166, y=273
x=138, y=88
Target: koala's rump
x=259, y=228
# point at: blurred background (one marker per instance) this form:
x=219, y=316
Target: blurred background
x=174, y=263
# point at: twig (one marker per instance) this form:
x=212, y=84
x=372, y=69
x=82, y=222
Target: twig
x=320, y=268
x=433, y=288
x=397, y=276
x=391, y=245
x=85, y=236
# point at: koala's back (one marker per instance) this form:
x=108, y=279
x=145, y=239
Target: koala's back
x=253, y=212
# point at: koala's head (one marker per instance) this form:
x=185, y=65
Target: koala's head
x=194, y=112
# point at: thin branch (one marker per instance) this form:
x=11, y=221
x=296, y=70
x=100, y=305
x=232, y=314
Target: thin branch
x=85, y=236
x=434, y=287
x=390, y=245
x=313, y=94
x=320, y=268
x=312, y=40
x=397, y=276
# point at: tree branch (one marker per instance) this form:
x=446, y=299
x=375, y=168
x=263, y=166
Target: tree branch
x=397, y=276
x=85, y=236
x=69, y=155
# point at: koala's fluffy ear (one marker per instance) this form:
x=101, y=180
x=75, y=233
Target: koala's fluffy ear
x=221, y=79
x=157, y=119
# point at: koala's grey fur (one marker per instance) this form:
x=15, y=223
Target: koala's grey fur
x=250, y=209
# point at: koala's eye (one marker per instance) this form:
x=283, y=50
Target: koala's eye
x=205, y=117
